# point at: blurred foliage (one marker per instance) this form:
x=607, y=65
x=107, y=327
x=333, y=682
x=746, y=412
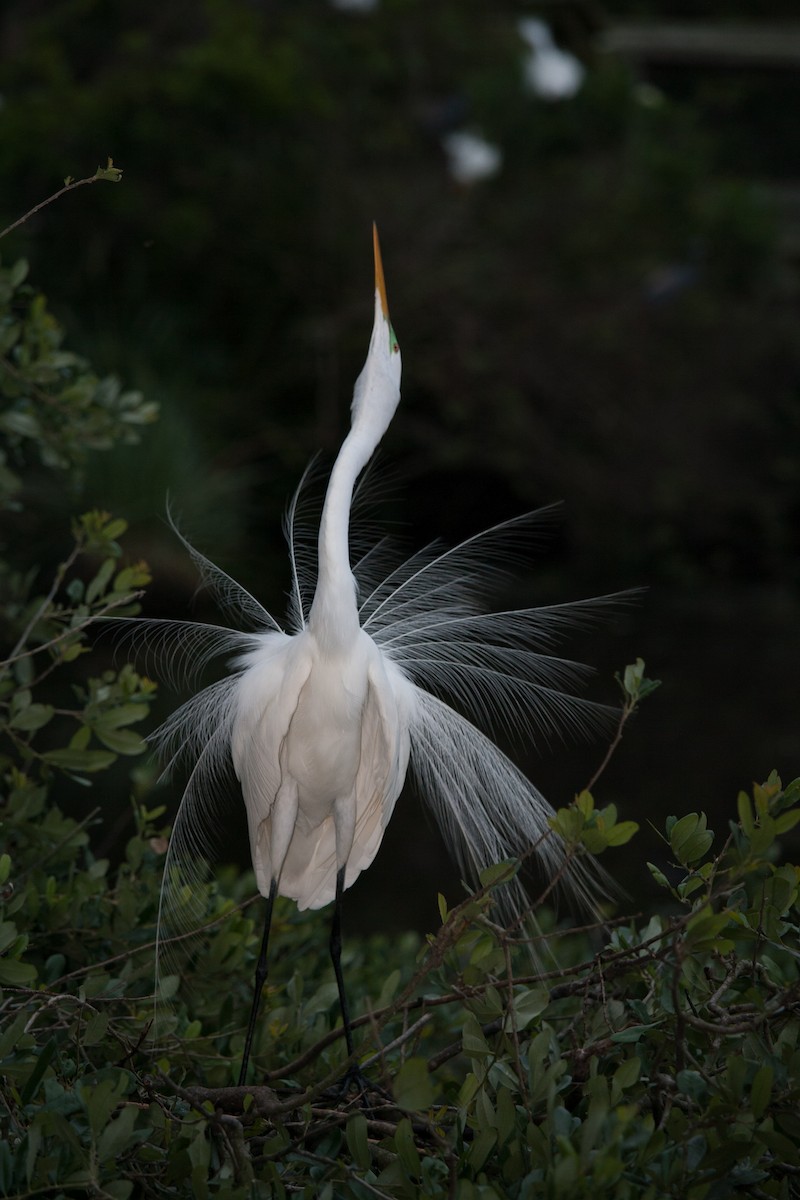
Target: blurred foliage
x=607, y=320
x=661, y=1060
x=53, y=411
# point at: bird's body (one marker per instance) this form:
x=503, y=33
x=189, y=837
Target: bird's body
x=320, y=747
x=320, y=735
x=322, y=722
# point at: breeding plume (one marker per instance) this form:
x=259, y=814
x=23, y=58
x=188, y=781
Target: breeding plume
x=322, y=721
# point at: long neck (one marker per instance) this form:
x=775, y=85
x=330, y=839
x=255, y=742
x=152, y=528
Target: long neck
x=334, y=612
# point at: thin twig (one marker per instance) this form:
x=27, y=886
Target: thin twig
x=264, y=1099
x=627, y=711
x=54, y=849
x=58, y=579
x=398, y=1041
x=178, y=937
x=18, y=653
x=69, y=186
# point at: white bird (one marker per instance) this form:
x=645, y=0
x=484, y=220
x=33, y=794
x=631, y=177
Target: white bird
x=322, y=723
x=470, y=158
x=550, y=72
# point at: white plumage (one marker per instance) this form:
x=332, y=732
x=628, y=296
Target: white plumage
x=322, y=723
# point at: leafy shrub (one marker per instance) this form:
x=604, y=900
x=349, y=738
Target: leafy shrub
x=658, y=1060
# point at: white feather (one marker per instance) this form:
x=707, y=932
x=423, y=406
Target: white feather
x=319, y=723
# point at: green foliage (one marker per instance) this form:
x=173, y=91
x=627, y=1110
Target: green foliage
x=54, y=408
x=48, y=630
x=658, y=1060
x=55, y=902
x=53, y=411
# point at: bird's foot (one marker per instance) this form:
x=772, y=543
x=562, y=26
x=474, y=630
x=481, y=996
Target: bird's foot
x=355, y=1082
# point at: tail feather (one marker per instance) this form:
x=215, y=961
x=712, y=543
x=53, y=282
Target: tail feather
x=488, y=810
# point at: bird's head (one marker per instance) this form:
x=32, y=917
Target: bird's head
x=377, y=390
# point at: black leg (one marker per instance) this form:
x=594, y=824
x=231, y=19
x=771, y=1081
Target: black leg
x=336, y=957
x=354, y=1079
x=261, y=975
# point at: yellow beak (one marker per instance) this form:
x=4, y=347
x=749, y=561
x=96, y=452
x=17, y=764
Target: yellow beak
x=380, y=284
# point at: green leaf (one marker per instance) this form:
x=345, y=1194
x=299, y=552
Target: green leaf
x=79, y=760
x=109, y=172
x=357, y=1141
x=760, y=1090
x=118, y=1134
x=689, y=838
x=119, y=1189
x=18, y=273
x=468, y=1090
x=787, y=821
x=9, y=935
x=21, y=699
x=102, y=1098
x=692, y=1084
x=80, y=738
x=472, y=1039
x=704, y=928
x=115, y=528
x=34, y=717
x=745, y=811
x=23, y=424
x=633, y=1033
x=95, y=1029
x=43, y=1061
x=499, y=872
x=35, y=1136
x=121, y=741
x=695, y=1150
x=632, y=677
x=413, y=1087
x=506, y=1115
x=622, y=833
x=625, y=1076
x=99, y=584
x=123, y=714
x=406, y=1147
x=528, y=1005
x=12, y=1033
x=389, y=989
x=481, y=1148
x=634, y=683
x=70, y=650
x=568, y=823
x=658, y=875
x=16, y=973
x=585, y=803
x=130, y=579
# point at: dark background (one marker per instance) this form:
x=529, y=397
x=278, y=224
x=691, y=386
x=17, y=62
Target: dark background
x=610, y=320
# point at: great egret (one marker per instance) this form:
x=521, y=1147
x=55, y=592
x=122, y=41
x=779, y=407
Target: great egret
x=550, y=72
x=470, y=157
x=321, y=723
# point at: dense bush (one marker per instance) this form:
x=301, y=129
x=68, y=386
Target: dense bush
x=659, y=1060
